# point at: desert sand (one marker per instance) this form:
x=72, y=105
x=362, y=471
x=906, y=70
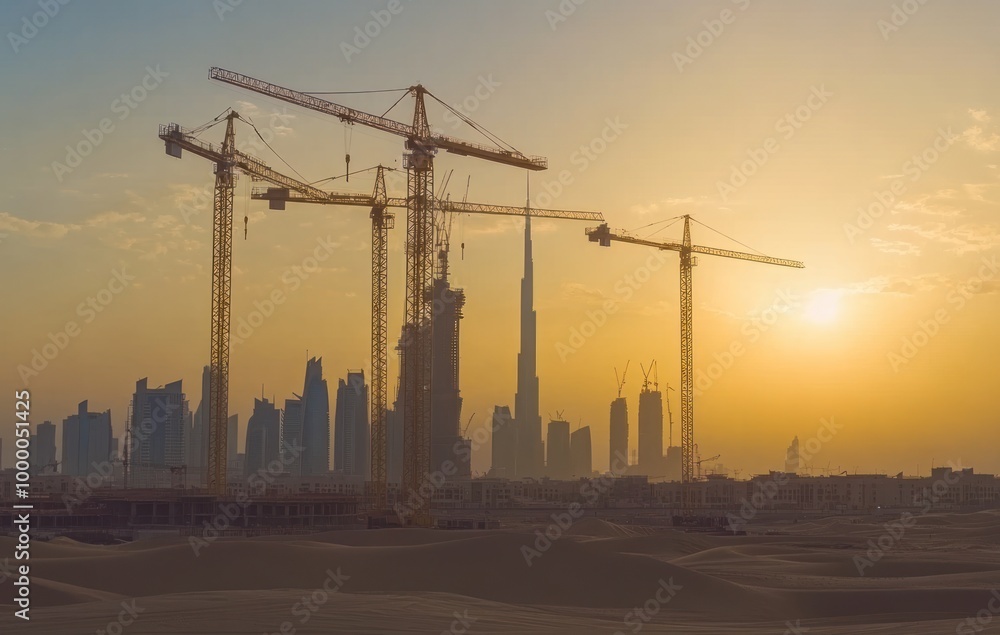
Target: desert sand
x=780, y=578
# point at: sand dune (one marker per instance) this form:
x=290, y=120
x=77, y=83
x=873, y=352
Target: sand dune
x=589, y=580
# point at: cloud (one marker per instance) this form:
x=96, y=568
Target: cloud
x=686, y=201
x=38, y=229
x=966, y=238
x=579, y=292
x=978, y=139
x=895, y=285
x=277, y=121
x=895, y=247
x=113, y=218
x=980, y=115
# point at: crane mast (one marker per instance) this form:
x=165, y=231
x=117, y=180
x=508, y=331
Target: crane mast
x=227, y=160
x=603, y=235
x=687, y=357
x=382, y=221
x=222, y=276
x=421, y=146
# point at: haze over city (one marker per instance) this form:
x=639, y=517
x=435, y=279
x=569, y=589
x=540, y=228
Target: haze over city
x=713, y=283
x=678, y=134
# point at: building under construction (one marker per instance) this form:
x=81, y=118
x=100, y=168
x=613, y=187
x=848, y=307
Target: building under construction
x=446, y=400
x=651, y=431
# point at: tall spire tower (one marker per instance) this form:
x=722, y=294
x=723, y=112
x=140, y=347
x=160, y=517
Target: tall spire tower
x=526, y=410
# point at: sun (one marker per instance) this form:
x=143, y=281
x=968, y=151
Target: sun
x=823, y=307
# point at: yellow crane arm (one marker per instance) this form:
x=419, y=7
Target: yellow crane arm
x=351, y=115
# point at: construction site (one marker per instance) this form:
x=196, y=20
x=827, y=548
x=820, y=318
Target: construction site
x=420, y=453
x=500, y=317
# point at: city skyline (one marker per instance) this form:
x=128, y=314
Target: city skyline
x=892, y=301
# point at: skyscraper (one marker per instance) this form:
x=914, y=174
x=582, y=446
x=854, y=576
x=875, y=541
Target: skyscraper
x=232, y=439
x=446, y=402
x=351, y=432
x=618, y=447
x=86, y=440
x=315, y=420
x=527, y=418
x=43, y=449
x=651, y=432
x=394, y=436
x=792, y=457
x=263, y=438
x=291, y=435
x=581, y=451
x=559, y=464
x=197, y=446
x=504, y=452
x=158, y=427
x=394, y=444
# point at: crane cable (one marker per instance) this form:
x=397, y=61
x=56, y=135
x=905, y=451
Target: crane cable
x=334, y=178
x=205, y=126
x=478, y=128
x=273, y=150
x=352, y=92
x=396, y=102
x=730, y=238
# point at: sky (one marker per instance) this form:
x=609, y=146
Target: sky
x=860, y=137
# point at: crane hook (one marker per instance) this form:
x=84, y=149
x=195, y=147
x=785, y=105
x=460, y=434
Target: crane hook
x=347, y=158
x=246, y=225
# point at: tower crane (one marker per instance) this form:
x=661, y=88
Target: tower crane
x=603, y=235
x=621, y=382
x=277, y=197
x=228, y=160
x=700, y=461
x=670, y=415
x=421, y=146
